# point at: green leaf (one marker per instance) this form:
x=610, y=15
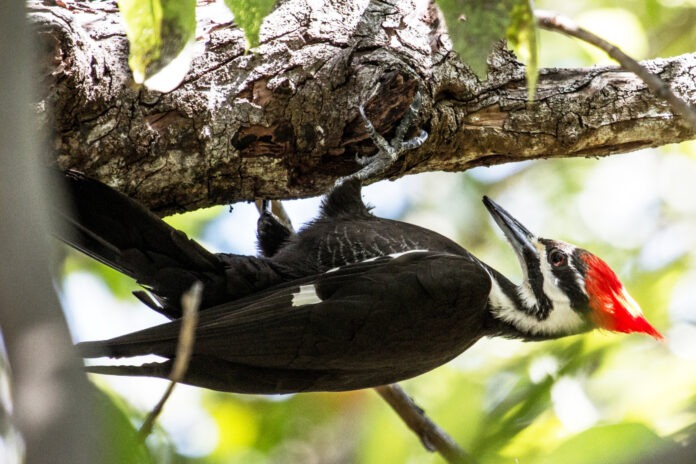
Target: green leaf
x=248, y=15
x=120, y=285
x=611, y=444
x=522, y=35
x=476, y=25
x=160, y=33
x=125, y=445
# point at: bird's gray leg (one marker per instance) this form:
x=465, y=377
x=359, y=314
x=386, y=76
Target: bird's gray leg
x=265, y=206
x=405, y=124
x=388, y=152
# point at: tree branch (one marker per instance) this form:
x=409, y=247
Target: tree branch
x=190, y=303
x=660, y=88
x=282, y=122
x=52, y=402
x=430, y=434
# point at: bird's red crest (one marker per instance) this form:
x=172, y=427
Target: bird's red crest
x=612, y=306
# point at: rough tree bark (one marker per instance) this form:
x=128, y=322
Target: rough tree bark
x=282, y=122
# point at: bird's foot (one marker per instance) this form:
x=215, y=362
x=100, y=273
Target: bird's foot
x=272, y=231
x=388, y=152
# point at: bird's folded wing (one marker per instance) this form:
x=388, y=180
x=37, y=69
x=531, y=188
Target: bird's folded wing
x=419, y=309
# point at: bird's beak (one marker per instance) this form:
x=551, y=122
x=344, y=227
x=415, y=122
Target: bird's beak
x=521, y=239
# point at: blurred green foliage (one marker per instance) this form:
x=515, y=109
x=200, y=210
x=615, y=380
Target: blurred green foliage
x=474, y=27
x=596, y=398
x=249, y=14
x=117, y=425
x=158, y=31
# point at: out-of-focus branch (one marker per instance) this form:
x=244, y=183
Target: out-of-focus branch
x=431, y=435
x=190, y=303
x=52, y=405
x=554, y=22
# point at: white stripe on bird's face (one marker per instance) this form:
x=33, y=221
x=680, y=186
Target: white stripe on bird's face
x=562, y=319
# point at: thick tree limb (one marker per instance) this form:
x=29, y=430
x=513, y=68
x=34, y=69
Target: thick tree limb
x=555, y=22
x=283, y=122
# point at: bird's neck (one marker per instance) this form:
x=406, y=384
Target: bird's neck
x=522, y=312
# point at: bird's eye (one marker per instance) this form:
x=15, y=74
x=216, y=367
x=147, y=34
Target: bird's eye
x=557, y=258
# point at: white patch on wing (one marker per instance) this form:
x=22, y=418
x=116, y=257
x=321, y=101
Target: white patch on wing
x=397, y=255
x=375, y=258
x=306, y=295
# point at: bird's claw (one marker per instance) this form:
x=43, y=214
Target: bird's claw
x=388, y=151
x=363, y=160
x=415, y=142
x=387, y=157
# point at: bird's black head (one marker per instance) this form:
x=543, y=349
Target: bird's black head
x=565, y=289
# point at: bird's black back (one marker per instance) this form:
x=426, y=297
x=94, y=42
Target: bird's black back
x=346, y=232
x=346, y=303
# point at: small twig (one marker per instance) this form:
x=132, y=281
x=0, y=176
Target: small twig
x=555, y=22
x=432, y=436
x=190, y=302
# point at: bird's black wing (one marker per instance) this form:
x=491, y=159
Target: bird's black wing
x=360, y=325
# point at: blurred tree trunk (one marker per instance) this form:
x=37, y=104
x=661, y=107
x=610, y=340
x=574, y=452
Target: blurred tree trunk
x=282, y=122
x=51, y=399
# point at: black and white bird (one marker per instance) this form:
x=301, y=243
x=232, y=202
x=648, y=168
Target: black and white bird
x=351, y=301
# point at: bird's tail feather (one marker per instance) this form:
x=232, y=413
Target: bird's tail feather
x=162, y=370
x=123, y=234
x=159, y=340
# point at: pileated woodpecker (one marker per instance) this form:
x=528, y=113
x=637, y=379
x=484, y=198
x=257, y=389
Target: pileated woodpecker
x=349, y=302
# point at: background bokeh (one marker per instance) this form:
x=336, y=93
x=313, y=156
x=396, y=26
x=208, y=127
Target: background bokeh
x=593, y=398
